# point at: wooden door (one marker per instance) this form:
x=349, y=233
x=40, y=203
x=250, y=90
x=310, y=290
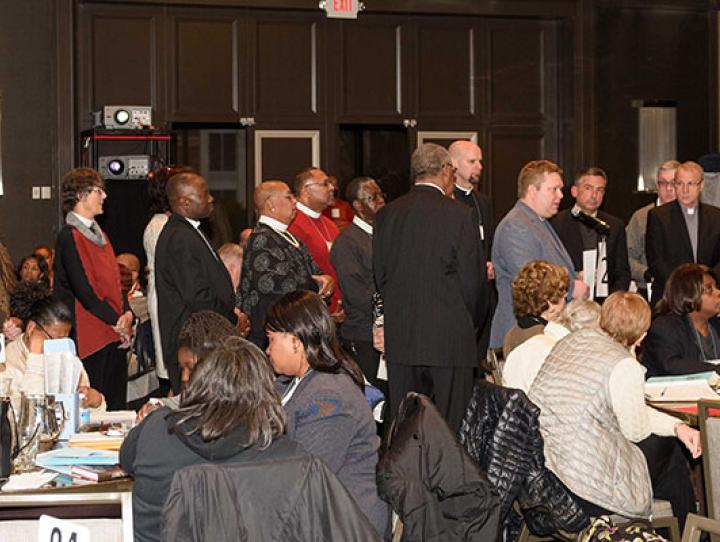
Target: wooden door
x=208, y=72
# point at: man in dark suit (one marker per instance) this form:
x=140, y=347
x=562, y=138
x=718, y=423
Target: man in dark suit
x=682, y=231
x=466, y=157
x=577, y=236
x=351, y=256
x=430, y=270
x=189, y=275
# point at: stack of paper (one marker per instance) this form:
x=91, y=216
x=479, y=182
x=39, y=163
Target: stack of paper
x=682, y=388
x=62, y=459
x=96, y=440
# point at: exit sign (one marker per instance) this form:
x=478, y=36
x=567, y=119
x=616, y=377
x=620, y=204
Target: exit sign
x=342, y=9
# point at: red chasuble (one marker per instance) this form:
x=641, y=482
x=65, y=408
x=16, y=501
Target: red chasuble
x=103, y=275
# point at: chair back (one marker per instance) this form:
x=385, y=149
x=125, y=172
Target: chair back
x=695, y=525
x=495, y=363
x=287, y=500
x=710, y=433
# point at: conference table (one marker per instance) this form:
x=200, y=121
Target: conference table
x=73, y=500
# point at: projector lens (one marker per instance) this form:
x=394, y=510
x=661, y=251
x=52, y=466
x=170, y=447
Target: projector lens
x=122, y=116
x=116, y=167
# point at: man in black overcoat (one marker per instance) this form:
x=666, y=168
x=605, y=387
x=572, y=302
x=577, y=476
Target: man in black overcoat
x=430, y=270
x=189, y=275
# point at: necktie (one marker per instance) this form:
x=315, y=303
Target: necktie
x=207, y=242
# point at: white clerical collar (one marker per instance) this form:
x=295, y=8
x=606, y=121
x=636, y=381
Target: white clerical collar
x=364, y=226
x=274, y=224
x=307, y=210
x=688, y=210
x=433, y=185
x=464, y=190
x=195, y=223
x=576, y=208
x=86, y=221
x=658, y=203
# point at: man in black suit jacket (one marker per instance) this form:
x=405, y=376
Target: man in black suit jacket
x=189, y=275
x=589, y=191
x=429, y=267
x=466, y=157
x=682, y=231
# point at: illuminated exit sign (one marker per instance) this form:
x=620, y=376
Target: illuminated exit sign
x=342, y=9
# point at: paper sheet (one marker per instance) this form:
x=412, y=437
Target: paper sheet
x=29, y=480
x=589, y=268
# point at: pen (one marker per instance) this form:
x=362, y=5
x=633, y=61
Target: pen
x=662, y=393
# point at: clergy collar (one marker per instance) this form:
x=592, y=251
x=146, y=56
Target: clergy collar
x=433, y=185
x=87, y=221
x=272, y=223
x=364, y=226
x=688, y=210
x=195, y=223
x=575, y=207
x=466, y=191
x=307, y=210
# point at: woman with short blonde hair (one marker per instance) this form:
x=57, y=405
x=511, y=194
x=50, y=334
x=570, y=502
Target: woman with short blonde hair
x=625, y=317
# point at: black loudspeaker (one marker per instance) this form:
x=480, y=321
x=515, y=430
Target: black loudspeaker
x=126, y=212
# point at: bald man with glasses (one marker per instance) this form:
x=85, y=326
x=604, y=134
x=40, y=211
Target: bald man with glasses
x=683, y=231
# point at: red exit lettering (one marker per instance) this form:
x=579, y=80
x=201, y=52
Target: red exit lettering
x=342, y=5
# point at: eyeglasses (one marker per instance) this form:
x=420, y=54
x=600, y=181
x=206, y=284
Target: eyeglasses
x=324, y=183
x=44, y=331
x=453, y=169
x=377, y=196
x=709, y=288
x=98, y=189
x=690, y=184
x=665, y=184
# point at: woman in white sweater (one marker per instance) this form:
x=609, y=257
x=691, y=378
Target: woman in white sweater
x=46, y=318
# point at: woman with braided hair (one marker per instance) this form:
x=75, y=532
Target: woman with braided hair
x=201, y=333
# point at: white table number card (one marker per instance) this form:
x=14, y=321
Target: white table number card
x=52, y=529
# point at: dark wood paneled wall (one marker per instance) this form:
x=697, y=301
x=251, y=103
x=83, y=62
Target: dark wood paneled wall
x=660, y=54
x=535, y=79
x=29, y=123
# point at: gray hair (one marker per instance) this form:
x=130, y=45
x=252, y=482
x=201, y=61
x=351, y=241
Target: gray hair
x=580, y=314
x=428, y=160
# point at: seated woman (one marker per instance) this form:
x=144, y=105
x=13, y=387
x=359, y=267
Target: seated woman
x=34, y=268
x=229, y=412
x=524, y=362
x=538, y=293
x=199, y=336
x=686, y=332
x=600, y=436
x=43, y=317
x=327, y=411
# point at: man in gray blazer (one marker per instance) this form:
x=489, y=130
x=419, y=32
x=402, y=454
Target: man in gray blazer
x=524, y=235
